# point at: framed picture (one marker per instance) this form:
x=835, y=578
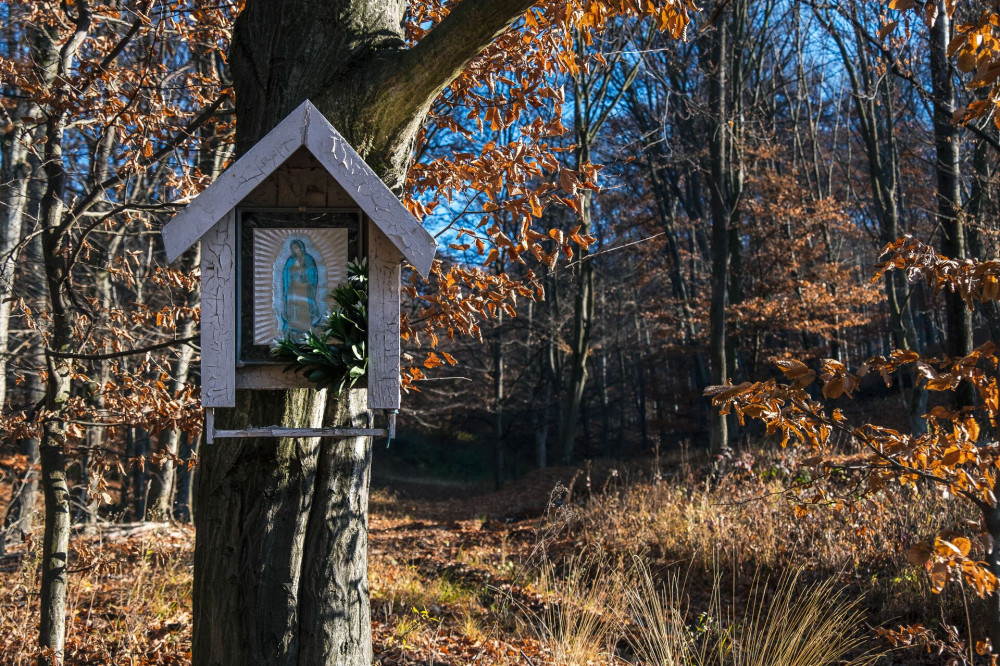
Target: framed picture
x=290, y=263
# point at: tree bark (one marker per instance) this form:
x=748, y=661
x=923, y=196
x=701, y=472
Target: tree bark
x=281, y=554
x=958, y=337
x=991, y=520
x=14, y=174
x=720, y=206
x=350, y=59
x=20, y=515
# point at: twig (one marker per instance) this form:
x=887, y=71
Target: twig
x=120, y=354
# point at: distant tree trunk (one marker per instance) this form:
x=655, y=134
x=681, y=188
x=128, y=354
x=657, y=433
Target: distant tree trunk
x=991, y=520
x=642, y=348
x=15, y=170
x=20, y=513
x=542, y=424
x=874, y=99
x=593, y=100
x=15, y=176
x=498, y=401
x=183, y=509
x=603, y=389
x=161, y=491
x=623, y=403
x=86, y=506
x=949, y=189
x=718, y=148
x=582, y=322
x=138, y=476
x=980, y=212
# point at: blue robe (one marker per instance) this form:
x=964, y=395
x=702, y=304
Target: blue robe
x=300, y=281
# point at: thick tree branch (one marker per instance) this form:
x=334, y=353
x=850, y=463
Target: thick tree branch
x=429, y=67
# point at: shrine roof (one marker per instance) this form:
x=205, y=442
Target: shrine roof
x=304, y=127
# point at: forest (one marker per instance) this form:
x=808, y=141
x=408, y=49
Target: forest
x=704, y=372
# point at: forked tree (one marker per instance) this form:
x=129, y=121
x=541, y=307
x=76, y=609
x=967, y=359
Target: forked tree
x=281, y=555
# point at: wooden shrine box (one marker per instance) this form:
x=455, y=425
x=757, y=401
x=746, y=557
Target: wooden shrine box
x=277, y=229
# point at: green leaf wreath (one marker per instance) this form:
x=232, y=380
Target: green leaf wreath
x=338, y=357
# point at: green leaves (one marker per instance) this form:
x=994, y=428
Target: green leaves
x=338, y=357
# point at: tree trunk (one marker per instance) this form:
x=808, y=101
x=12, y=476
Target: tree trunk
x=593, y=101
x=719, y=167
x=161, y=490
x=20, y=514
x=580, y=342
x=643, y=345
x=874, y=100
x=499, y=434
x=281, y=554
x=86, y=503
x=138, y=476
x=14, y=173
x=991, y=520
x=55, y=485
x=958, y=338
x=542, y=423
x=282, y=550
x=183, y=509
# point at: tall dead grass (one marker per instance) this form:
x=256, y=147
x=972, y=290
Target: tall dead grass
x=129, y=600
x=583, y=609
x=598, y=611
x=793, y=624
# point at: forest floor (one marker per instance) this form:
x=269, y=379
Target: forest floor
x=565, y=566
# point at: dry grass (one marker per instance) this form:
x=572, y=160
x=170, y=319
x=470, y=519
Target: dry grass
x=630, y=575
x=129, y=601
x=582, y=610
x=794, y=624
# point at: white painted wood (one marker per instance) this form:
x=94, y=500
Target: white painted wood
x=269, y=377
x=307, y=127
x=371, y=194
x=236, y=182
x=209, y=425
x=383, y=320
x=218, y=314
x=277, y=431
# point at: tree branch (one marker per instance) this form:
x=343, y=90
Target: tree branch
x=429, y=67
x=183, y=135
x=120, y=354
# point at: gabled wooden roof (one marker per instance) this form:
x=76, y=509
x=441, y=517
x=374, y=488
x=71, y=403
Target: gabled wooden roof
x=304, y=127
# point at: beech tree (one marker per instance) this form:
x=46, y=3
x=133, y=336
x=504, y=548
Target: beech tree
x=281, y=555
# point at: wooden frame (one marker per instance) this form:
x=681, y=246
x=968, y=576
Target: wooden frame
x=218, y=313
x=302, y=164
x=248, y=352
x=211, y=433
x=305, y=127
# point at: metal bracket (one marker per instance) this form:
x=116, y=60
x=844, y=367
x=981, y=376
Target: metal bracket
x=211, y=434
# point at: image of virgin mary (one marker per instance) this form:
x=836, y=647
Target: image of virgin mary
x=300, y=310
